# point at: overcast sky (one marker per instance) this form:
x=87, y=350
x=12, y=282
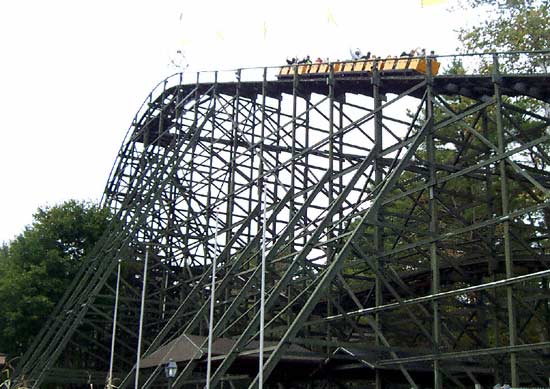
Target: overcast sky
x=73, y=73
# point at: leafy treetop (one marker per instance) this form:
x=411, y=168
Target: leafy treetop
x=37, y=266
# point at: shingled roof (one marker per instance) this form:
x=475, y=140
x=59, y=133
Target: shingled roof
x=187, y=347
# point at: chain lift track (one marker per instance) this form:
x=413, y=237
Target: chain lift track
x=406, y=238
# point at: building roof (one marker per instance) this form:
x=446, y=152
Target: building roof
x=187, y=347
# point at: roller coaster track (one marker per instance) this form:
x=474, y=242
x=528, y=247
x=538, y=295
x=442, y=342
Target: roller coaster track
x=395, y=238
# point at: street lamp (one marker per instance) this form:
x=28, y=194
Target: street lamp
x=170, y=371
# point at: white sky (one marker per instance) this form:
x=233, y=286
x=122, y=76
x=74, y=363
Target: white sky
x=73, y=73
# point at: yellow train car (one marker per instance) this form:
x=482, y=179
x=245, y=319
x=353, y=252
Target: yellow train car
x=390, y=65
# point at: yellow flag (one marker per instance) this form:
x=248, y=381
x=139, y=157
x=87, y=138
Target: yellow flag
x=426, y=3
x=220, y=36
x=184, y=42
x=330, y=17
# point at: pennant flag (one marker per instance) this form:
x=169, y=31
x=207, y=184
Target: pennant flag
x=330, y=18
x=184, y=42
x=426, y=3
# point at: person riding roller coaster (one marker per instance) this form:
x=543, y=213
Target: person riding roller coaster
x=356, y=54
x=291, y=61
x=306, y=60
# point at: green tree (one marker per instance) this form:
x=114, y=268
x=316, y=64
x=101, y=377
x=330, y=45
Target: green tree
x=37, y=266
x=519, y=27
x=510, y=25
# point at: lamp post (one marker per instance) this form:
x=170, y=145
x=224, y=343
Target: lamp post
x=170, y=371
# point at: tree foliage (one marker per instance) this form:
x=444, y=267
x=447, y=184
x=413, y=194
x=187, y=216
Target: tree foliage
x=38, y=265
x=509, y=25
